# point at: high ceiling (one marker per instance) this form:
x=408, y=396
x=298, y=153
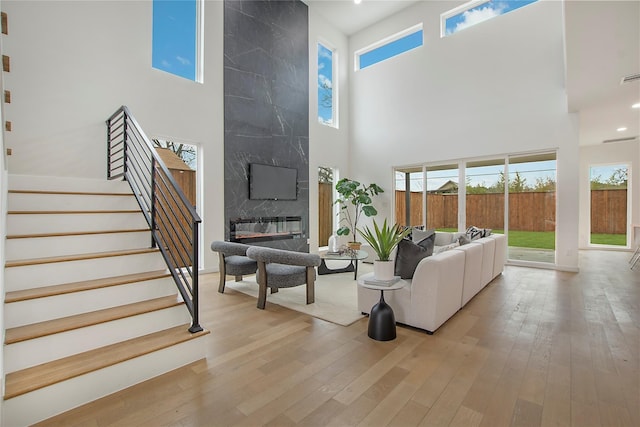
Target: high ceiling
x=603, y=46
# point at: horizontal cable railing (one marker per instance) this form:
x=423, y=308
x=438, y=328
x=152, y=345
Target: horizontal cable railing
x=173, y=220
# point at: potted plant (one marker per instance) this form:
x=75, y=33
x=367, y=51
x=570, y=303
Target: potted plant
x=383, y=240
x=352, y=193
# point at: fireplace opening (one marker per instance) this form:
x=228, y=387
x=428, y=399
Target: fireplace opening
x=248, y=230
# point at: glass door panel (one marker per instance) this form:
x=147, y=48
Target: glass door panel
x=532, y=208
x=325, y=205
x=609, y=205
x=409, y=197
x=485, y=182
x=442, y=197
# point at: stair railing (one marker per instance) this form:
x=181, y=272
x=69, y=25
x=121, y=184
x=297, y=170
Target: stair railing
x=173, y=220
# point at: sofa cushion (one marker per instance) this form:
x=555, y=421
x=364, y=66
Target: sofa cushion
x=409, y=254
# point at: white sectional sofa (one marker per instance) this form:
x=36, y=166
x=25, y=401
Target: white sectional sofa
x=442, y=283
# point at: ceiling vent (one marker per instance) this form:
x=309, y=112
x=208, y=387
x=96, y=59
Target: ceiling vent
x=630, y=78
x=627, y=139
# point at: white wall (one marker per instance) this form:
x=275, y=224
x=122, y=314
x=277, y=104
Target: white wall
x=328, y=146
x=75, y=62
x=603, y=154
x=492, y=89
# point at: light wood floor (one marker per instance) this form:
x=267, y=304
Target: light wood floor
x=534, y=348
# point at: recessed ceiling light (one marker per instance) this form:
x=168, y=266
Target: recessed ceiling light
x=621, y=129
x=357, y=1
x=636, y=105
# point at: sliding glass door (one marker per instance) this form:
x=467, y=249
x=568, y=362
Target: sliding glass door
x=513, y=195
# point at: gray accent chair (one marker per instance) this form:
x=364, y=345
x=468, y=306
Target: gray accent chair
x=279, y=268
x=233, y=261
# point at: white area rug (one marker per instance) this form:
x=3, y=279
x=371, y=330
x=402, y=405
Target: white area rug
x=336, y=296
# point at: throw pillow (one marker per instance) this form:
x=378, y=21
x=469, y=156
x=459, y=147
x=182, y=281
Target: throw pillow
x=462, y=238
x=420, y=235
x=409, y=254
x=474, y=233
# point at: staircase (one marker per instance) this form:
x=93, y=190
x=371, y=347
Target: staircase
x=90, y=307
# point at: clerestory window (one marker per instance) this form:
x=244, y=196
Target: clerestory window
x=389, y=47
x=176, y=41
x=475, y=12
x=327, y=86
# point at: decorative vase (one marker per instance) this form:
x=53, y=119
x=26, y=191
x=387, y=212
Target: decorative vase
x=354, y=245
x=383, y=270
x=333, y=243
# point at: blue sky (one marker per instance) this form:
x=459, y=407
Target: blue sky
x=481, y=13
x=392, y=49
x=325, y=75
x=174, y=37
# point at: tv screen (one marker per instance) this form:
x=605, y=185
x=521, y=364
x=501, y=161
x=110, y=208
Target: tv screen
x=272, y=182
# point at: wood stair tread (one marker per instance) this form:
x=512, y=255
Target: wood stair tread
x=34, y=378
x=70, y=193
x=66, y=288
x=79, y=257
x=77, y=233
x=50, y=327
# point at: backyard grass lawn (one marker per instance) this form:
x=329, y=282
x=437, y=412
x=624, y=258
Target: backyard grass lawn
x=547, y=239
x=609, y=239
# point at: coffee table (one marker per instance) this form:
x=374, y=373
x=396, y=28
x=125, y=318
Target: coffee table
x=352, y=257
x=382, y=321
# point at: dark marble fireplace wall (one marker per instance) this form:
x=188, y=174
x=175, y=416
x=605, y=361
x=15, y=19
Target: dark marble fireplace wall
x=266, y=106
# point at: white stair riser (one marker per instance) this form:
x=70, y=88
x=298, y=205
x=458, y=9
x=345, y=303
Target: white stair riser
x=54, y=307
x=43, y=247
x=34, y=276
x=69, y=202
x=28, y=353
x=59, y=183
x=44, y=403
x=19, y=224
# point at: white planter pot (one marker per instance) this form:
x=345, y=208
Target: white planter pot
x=383, y=270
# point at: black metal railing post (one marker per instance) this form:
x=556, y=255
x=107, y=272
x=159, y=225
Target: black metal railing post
x=153, y=200
x=195, y=326
x=124, y=143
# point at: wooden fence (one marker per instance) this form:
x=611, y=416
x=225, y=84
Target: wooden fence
x=528, y=211
x=325, y=213
x=609, y=211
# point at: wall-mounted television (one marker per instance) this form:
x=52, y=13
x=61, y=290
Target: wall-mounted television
x=268, y=182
